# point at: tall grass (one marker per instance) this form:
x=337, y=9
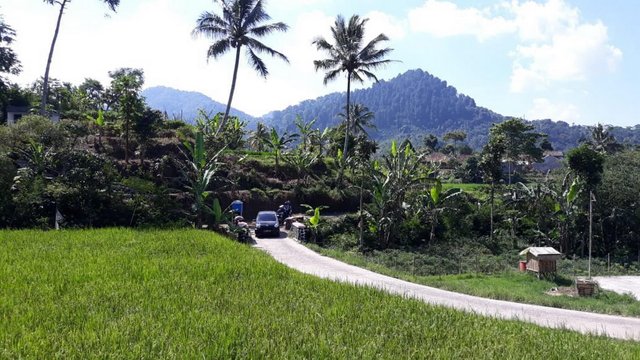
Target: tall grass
x=187, y=294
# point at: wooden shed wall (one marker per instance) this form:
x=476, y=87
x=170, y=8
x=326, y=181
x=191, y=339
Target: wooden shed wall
x=540, y=265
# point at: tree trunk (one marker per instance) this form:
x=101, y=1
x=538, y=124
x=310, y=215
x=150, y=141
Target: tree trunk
x=434, y=223
x=491, y=214
x=233, y=89
x=590, y=228
x=360, y=235
x=348, y=124
x=346, y=129
x=45, y=85
x=126, y=141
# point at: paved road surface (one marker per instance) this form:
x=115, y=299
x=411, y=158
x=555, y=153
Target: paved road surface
x=620, y=284
x=296, y=256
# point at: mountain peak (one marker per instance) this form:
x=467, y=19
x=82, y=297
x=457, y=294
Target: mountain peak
x=184, y=105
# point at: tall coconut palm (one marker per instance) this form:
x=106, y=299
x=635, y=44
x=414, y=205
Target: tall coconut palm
x=239, y=26
x=350, y=54
x=112, y=4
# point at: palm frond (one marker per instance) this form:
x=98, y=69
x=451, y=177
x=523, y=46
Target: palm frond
x=325, y=64
x=268, y=29
x=262, y=48
x=255, y=16
x=113, y=4
x=331, y=75
x=355, y=76
x=322, y=44
x=257, y=63
x=218, y=48
x=368, y=74
x=211, y=25
x=376, y=55
x=370, y=47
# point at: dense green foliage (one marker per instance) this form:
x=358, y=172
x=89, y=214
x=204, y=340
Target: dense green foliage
x=129, y=294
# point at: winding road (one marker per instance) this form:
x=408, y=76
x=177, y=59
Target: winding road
x=297, y=256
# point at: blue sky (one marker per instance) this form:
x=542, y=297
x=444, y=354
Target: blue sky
x=571, y=60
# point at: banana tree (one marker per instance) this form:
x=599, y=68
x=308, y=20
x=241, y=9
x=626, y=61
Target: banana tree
x=532, y=204
x=436, y=204
x=401, y=171
x=198, y=169
x=302, y=161
x=314, y=221
x=277, y=143
x=305, y=129
x=99, y=122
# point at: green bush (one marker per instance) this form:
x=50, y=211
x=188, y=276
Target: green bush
x=7, y=173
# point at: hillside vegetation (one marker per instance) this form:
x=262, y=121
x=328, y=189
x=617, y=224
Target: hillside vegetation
x=157, y=294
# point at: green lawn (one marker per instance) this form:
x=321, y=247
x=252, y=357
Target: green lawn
x=192, y=294
x=508, y=285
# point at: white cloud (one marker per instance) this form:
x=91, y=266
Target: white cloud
x=554, y=44
x=380, y=22
x=546, y=109
x=537, y=21
x=556, y=47
x=443, y=19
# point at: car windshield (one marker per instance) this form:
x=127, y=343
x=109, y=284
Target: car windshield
x=267, y=217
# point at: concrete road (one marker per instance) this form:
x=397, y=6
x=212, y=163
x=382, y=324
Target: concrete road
x=297, y=256
x=620, y=284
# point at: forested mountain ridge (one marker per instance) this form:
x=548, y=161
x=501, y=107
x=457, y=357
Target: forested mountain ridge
x=416, y=103
x=184, y=105
x=410, y=105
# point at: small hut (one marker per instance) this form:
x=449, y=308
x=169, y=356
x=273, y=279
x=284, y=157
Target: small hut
x=541, y=260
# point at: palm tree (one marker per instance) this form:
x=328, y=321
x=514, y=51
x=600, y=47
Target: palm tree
x=361, y=118
x=239, y=26
x=258, y=137
x=63, y=3
x=349, y=54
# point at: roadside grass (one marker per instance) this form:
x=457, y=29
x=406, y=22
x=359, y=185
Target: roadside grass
x=505, y=285
x=186, y=294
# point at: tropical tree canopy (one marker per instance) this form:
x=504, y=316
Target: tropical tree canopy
x=240, y=25
x=9, y=62
x=586, y=163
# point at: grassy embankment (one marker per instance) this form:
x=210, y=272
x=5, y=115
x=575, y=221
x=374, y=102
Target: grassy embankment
x=186, y=294
x=506, y=285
